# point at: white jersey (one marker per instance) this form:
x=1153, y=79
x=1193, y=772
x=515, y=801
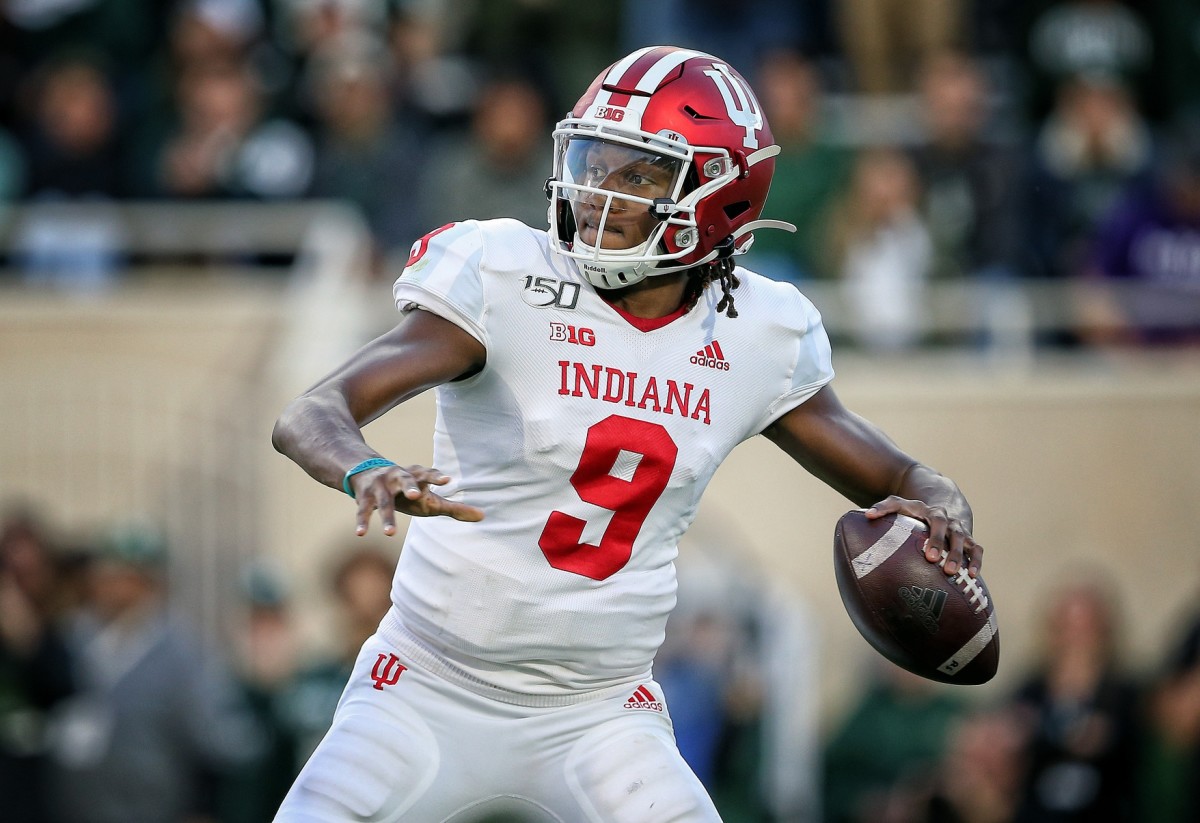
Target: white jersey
x=587, y=440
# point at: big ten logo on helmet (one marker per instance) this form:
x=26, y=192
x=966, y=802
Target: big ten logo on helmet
x=567, y=332
x=610, y=113
x=544, y=292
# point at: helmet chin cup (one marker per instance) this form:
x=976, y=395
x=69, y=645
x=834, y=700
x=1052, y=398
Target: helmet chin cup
x=607, y=270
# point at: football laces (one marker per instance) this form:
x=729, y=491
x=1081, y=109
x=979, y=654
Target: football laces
x=969, y=585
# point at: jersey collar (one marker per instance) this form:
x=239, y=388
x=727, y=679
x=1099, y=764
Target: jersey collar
x=648, y=323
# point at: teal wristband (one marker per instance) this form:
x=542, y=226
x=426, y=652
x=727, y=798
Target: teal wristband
x=373, y=463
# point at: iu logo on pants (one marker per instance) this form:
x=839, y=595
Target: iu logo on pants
x=387, y=670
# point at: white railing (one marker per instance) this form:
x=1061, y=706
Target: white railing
x=149, y=396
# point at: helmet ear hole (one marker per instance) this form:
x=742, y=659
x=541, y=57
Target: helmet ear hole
x=733, y=210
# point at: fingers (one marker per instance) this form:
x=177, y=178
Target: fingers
x=949, y=542
x=956, y=539
x=408, y=490
x=459, y=511
x=424, y=503
x=888, y=505
x=374, y=491
x=419, y=479
x=974, y=553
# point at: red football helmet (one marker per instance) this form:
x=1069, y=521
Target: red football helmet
x=667, y=144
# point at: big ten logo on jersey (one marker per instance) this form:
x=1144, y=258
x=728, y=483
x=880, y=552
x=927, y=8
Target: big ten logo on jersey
x=544, y=292
x=567, y=332
x=610, y=113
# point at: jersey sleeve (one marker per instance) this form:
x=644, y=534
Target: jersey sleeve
x=812, y=358
x=443, y=275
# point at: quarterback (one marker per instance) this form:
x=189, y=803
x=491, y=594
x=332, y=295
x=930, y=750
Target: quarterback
x=589, y=380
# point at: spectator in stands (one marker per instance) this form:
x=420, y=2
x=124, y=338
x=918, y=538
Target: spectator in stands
x=267, y=659
x=73, y=144
x=365, y=154
x=35, y=667
x=968, y=182
x=1079, y=710
x=156, y=718
x=437, y=83
x=1144, y=285
x=1170, y=767
x=1175, y=82
x=810, y=171
x=743, y=36
x=978, y=779
x=886, y=40
x=971, y=188
x=492, y=172
x=125, y=32
x=897, y=731
x=213, y=31
x=734, y=665
x=1091, y=148
x=882, y=251
x=203, y=35
x=306, y=31
x=225, y=145
x=362, y=586
x=694, y=669
x=74, y=157
x=1081, y=37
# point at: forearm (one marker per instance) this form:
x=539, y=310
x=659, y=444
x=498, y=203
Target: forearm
x=855, y=457
x=318, y=432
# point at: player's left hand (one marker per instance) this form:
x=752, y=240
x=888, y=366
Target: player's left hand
x=947, y=533
x=408, y=490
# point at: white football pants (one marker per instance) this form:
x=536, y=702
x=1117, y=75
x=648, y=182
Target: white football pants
x=408, y=744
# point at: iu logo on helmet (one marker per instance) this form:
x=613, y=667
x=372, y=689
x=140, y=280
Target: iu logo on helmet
x=743, y=111
x=387, y=670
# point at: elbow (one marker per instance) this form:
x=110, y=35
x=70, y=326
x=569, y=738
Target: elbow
x=281, y=434
x=277, y=438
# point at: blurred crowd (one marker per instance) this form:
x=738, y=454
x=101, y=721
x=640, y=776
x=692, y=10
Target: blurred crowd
x=113, y=710
x=924, y=142
x=986, y=141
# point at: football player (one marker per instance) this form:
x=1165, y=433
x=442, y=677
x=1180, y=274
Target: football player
x=589, y=381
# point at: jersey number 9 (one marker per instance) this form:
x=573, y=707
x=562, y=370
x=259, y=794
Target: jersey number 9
x=630, y=500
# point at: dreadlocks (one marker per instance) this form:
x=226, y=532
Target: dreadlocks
x=701, y=277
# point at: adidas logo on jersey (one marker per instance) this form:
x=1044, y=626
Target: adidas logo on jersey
x=712, y=357
x=643, y=698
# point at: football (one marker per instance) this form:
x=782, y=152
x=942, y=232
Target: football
x=939, y=626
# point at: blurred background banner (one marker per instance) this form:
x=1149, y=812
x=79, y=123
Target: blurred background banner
x=203, y=205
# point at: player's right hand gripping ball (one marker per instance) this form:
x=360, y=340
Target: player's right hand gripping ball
x=939, y=626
